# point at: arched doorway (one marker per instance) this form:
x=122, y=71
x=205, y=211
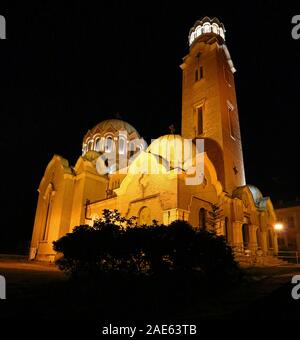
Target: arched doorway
x=145, y=216
x=245, y=233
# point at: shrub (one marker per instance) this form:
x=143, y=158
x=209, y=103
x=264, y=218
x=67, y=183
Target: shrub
x=117, y=245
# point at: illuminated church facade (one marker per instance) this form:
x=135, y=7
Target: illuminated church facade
x=74, y=195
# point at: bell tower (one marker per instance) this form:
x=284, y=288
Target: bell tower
x=209, y=106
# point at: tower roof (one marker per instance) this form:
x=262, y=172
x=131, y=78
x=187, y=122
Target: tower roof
x=206, y=26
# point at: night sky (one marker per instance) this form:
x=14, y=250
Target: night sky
x=67, y=66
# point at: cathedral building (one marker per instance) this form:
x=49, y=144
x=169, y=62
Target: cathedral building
x=113, y=169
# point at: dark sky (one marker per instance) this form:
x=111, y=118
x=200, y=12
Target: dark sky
x=66, y=66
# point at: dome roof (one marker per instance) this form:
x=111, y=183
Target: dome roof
x=256, y=193
x=96, y=138
x=111, y=126
x=173, y=149
x=206, y=26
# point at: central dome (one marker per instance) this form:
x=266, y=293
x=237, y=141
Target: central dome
x=108, y=130
x=114, y=125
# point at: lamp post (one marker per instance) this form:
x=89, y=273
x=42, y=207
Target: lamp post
x=278, y=226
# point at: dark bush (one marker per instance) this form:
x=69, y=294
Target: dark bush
x=117, y=245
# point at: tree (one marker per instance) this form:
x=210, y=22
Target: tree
x=215, y=218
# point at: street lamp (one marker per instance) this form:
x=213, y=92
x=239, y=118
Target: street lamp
x=278, y=226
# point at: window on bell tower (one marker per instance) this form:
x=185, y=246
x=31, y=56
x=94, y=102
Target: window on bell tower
x=199, y=68
x=201, y=72
x=199, y=113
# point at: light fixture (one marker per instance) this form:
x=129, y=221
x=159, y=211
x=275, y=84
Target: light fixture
x=278, y=226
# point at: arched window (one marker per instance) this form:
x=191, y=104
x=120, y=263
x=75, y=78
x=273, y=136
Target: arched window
x=222, y=33
x=90, y=145
x=109, y=144
x=215, y=28
x=202, y=218
x=122, y=145
x=98, y=144
x=206, y=28
x=192, y=38
x=145, y=216
x=198, y=31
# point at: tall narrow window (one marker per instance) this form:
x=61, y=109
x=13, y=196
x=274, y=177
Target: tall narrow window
x=198, y=70
x=200, y=120
x=109, y=144
x=122, y=145
x=97, y=144
x=231, y=121
x=201, y=72
x=207, y=27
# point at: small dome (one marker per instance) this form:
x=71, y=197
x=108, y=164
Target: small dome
x=113, y=125
x=174, y=149
x=256, y=193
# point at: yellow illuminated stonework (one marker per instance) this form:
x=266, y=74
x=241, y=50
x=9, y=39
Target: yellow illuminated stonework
x=73, y=195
